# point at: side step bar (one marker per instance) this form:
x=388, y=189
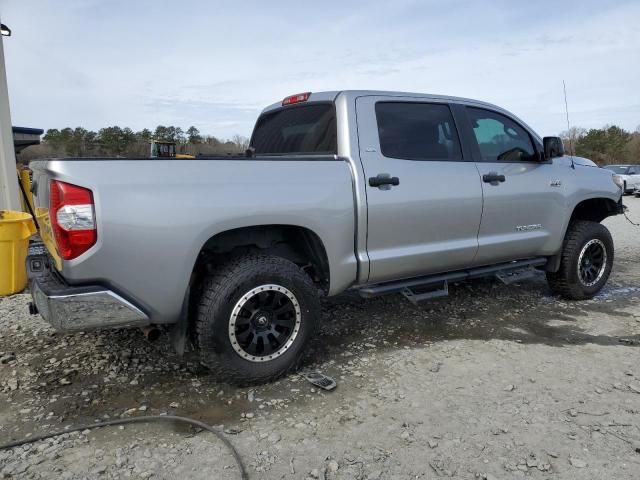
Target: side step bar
x=509, y=272
x=417, y=297
x=509, y=277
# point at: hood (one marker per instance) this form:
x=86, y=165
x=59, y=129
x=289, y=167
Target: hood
x=585, y=162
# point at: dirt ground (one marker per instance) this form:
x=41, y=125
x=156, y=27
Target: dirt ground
x=493, y=382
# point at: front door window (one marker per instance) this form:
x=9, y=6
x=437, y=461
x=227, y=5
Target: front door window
x=499, y=138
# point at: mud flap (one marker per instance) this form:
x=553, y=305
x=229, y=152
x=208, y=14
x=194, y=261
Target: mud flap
x=180, y=330
x=553, y=263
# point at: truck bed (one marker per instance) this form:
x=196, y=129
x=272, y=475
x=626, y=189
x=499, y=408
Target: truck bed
x=153, y=216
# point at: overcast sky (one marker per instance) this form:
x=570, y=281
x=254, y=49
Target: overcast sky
x=214, y=64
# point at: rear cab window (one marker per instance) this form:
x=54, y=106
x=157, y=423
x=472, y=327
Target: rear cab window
x=417, y=131
x=308, y=129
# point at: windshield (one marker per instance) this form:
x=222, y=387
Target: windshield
x=618, y=168
x=305, y=129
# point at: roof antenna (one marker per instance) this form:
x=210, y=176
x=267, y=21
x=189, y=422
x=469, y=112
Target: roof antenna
x=566, y=110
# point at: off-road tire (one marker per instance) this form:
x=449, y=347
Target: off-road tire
x=566, y=281
x=222, y=290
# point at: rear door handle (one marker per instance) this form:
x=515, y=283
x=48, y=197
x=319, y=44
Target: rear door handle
x=493, y=178
x=384, y=181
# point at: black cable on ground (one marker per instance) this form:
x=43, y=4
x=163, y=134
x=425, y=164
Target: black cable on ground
x=144, y=419
x=630, y=221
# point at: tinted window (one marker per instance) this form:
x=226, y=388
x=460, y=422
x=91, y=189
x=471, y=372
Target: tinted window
x=417, y=131
x=301, y=129
x=500, y=138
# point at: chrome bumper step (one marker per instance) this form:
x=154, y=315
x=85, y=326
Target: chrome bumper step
x=70, y=308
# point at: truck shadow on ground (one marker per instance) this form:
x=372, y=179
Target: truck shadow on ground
x=479, y=310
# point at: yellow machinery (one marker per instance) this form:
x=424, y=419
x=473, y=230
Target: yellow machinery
x=24, y=176
x=165, y=149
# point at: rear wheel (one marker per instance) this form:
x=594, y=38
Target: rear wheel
x=256, y=315
x=586, y=261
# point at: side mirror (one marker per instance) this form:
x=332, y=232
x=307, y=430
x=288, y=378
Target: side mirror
x=553, y=147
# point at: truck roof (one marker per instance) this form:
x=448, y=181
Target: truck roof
x=331, y=95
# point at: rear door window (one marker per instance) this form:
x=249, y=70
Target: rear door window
x=417, y=131
x=304, y=129
x=499, y=138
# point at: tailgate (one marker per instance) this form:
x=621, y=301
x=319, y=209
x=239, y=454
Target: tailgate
x=40, y=190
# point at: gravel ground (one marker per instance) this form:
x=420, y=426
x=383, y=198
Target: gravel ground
x=493, y=382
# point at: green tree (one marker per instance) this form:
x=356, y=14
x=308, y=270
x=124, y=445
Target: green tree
x=53, y=138
x=144, y=135
x=81, y=142
x=66, y=134
x=170, y=134
x=632, y=149
x=180, y=136
x=116, y=140
x=163, y=133
x=193, y=135
x=604, y=145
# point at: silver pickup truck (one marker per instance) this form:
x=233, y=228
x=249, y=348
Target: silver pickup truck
x=380, y=192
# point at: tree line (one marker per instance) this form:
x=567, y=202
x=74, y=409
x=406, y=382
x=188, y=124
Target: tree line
x=124, y=142
x=605, y=146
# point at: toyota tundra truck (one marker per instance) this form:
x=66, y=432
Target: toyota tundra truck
x=377, y=192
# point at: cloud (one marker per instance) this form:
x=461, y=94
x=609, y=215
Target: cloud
x=216, y=64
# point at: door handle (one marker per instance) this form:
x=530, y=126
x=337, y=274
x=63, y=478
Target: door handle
x=384, y=181
x=493, y=178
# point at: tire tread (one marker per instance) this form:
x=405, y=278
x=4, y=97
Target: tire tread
x=561, y=282
x=216, y=290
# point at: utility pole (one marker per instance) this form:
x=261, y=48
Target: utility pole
x=9, y=192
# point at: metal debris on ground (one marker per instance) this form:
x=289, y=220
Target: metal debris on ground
x=320, y=380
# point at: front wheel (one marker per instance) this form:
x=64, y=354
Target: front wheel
x=256, y=315
x=586, y=261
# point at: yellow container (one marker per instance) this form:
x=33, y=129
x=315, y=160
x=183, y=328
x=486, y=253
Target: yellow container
x=15, y=230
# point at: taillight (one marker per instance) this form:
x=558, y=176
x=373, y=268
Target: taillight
x=73, y=218
x=297, y=98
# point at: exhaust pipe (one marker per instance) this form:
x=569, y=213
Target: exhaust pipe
x=151, y=333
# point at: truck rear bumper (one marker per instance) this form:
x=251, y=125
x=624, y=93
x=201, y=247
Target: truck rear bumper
x=71, y=308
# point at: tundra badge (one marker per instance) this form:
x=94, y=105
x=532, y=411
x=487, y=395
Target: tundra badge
x=527, y=228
